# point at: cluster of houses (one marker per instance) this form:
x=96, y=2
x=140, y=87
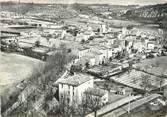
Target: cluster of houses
x=91, y=45
x=101, y=51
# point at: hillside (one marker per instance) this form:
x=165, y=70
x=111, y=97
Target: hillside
x=64, y=11
x=156, y=12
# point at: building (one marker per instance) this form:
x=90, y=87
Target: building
x=165, y=92
x=72, y=87
x=84, y=36
x=89, y=59
x=10, y=40
x=82, y=51
x=103, y=28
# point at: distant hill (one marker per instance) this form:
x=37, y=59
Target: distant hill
x=62, y=10
x=151, y=12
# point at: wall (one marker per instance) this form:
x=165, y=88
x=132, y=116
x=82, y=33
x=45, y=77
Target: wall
x=116, y=104
x=82, y=88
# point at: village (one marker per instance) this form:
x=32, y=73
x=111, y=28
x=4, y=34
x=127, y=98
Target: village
x=116, y=71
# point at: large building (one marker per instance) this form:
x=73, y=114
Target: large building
x=72, y=87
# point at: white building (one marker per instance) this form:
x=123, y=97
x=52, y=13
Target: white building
x=103, y=28
x=82, y=51
x=72, y=87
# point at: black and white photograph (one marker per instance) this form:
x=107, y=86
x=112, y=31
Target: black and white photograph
x=83, y=58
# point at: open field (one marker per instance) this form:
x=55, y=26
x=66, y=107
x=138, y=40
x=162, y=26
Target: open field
x=14, y=68
x=157, y=66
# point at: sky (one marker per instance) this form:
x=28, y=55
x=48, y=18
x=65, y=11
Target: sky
x=115, y=2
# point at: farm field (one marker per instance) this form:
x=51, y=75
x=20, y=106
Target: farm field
x=14, y=68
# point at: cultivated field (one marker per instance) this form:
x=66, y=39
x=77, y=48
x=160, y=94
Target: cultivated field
x=14, y=68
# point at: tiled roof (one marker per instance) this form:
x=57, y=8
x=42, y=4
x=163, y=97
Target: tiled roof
x=75, y=80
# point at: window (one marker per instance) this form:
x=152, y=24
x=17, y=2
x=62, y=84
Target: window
x=61, y=85
x=104, y=99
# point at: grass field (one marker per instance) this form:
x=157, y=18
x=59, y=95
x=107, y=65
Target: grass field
x=157, y=66
x=14, y=68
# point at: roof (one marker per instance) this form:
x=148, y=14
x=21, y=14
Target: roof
x=75, y=80
x=104, y=69
x=25, y=45
x=96, y=52
x=102, y=47
x=82, y=48
x=40, y=50
x=134, y=79
x=50, y=53
x=4, y=29
x=95, y=92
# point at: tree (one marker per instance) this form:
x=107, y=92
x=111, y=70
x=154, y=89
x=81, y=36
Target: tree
x=145, y=83
x=43, y=79
x=37, y=43
x=65, y=109
x=82, y=41
x=91, y=102
x=88, y=104
x=87, y=65
x=164, y=40
x=75, y=68
x=161, y=80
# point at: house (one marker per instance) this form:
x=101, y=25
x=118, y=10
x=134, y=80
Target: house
x=72, y=87
x=92, y=56
x=124, y=91
x=103, y=28
x=77, y=49
x=152, y=45
x=87, y=59
x=25, y=45
x=10, y=40
x=83, y=16
x=85, y=35
x=111, y=40
x=98, y=56
x=138, y=45
x=106, y=51
x=82, y=51
x=96, y=95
